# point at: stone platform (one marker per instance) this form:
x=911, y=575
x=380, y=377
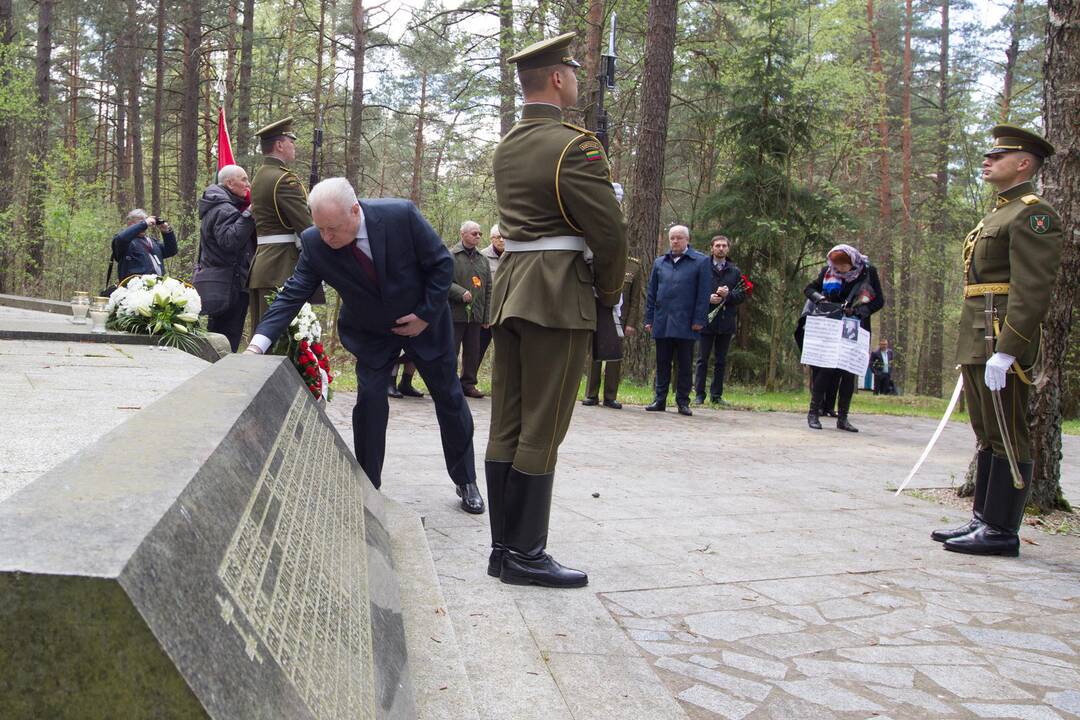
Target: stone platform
x=743, y=566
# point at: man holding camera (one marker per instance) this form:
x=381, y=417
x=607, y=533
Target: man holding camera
x=136, y=252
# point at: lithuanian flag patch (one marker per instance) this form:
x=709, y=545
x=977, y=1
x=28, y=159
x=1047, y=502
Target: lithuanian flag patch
x=593, y=154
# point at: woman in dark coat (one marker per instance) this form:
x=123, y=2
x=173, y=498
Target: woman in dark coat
x=849, y=282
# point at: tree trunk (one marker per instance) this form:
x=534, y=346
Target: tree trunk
x=71, y=137
x=189, y=116
x=1061, y=183
x=159, y=99
x=120, y=140
x=506, y=72
x=35, y=201
x=7, y=131
x=647, y=181
x=230, y=61
x=317, y=109
x=883, y=249
x=590, y=68
x=415, y=191
x=243, y=111
x=1011, y=54
x=135, y=131
x=356, y=120
x=905, y=321
x=930, y=374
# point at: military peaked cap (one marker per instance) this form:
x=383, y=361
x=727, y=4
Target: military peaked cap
x=1009, y=138
x=553, y=51
x=279, y=128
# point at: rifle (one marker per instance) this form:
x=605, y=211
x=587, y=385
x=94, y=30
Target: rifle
x=607, y=82
x=316, y=156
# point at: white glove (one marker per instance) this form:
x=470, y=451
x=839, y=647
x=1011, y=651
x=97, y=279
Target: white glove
x=617, y=187
x=996, y=367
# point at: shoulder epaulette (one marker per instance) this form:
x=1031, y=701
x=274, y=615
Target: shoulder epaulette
x=1030, y=199
x=579, y=129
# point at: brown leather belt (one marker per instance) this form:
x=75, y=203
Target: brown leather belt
x=980, y=289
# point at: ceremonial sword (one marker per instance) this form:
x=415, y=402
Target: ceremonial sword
x=990, y=314
x=937, y=433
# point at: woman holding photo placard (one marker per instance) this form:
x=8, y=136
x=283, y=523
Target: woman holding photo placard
x=848, y=285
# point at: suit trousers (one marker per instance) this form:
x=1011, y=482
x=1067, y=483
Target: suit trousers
x=455, y=419
x=980, y=407
x=467, y=342
x=230, y=322
x=612, y=372
x=719, y=342
x=534, y=384
x=681, y=351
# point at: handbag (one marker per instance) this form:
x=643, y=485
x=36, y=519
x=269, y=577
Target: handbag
x=218, y=288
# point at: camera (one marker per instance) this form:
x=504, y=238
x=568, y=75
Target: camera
x=161, y=221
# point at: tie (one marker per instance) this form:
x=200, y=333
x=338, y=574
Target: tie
x=365, y=264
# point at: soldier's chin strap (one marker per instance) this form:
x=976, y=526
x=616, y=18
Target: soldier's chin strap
x=937, y=433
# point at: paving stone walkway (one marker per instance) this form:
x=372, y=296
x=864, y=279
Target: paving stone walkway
x=743, y=566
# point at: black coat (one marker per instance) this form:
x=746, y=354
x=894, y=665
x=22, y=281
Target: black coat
x=726, y=320
x=414, y=271
x=226, y=235
x=132, y=248
x=849, y=291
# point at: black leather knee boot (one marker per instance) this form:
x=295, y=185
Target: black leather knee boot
x=526, y=512
x=496, y=473
x=1003, y=511
x=982, y=479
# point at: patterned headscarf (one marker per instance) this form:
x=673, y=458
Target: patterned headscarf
x=834, y=279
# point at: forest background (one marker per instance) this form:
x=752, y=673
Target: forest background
x=788, y=125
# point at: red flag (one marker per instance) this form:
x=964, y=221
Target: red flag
x=224, y=145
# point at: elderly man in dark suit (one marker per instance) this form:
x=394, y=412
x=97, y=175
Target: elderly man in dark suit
x=675, y=312
x=138, y=253
x=393, y=273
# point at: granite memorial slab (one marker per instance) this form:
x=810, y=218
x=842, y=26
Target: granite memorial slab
x=219, y=555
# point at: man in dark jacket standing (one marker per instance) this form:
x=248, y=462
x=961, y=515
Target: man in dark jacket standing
x=226, y=248
x=725, y=293
x=137, y=252
x=675, y=313
x=881, y=365
x=469, y=294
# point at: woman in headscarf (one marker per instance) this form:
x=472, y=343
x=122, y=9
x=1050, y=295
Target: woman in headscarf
x=850, y=283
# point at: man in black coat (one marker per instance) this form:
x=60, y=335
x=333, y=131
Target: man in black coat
x=392, y=272
x=138, y=253
x=881, y=364
x=726, y=293
x=226, y=248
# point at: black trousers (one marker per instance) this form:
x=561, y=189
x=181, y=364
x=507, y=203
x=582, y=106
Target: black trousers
x=824, y=380
x=706, y=344
x=467, y=342
x=682, y=352
x=828, y=403
x=455, y=419
x=230, y=323
x=485, y=341
x=883, y=384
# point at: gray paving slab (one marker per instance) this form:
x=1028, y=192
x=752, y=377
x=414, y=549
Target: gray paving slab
x=800, y=592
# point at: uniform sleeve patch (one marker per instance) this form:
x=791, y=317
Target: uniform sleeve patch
x=593, y=154
x=1039, y=223
x=589, y=145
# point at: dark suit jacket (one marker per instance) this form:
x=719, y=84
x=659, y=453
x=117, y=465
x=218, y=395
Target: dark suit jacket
x=414, y=271
x=678, y=295
x=129, y=249
x=877, y=364
x=725, y=320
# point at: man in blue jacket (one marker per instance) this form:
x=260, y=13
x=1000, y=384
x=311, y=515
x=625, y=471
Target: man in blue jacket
x=675, y=312
x=392, y=272
x=137, y=252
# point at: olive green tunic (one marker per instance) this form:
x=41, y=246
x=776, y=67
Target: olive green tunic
x=551, y=179
x=1018, y=245
x=279, y=206
x=629, y=315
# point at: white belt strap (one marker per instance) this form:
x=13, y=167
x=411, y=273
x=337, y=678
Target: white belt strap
x=575, y=243
x=278, y=239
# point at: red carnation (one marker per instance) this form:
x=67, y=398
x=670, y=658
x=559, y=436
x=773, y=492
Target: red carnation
x=318, y=348
x=303, y=345
x=311, y=372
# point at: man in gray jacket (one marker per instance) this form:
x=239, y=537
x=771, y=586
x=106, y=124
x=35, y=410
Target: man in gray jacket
x=470, y=295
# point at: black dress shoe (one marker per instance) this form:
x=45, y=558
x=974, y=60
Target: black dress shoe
x=393, y=392
x=828, y=413
x=613, y=404
x=656, y=406
x=471, y=502
x=699, y=400
x=685, y=410
x=812, y=420
x=986, y=540
x=943, y=535
x=843, y=424
x=541, y=569
x=590, y=401
x=406, y=389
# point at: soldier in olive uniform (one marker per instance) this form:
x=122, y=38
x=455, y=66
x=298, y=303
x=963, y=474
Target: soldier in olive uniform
x=629, y=319
x=1014, y=253
x=556, y=204
x=279, y=206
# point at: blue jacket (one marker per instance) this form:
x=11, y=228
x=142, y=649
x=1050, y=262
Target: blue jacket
x=129, y=248
x=678, y=295
x=414, y=270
